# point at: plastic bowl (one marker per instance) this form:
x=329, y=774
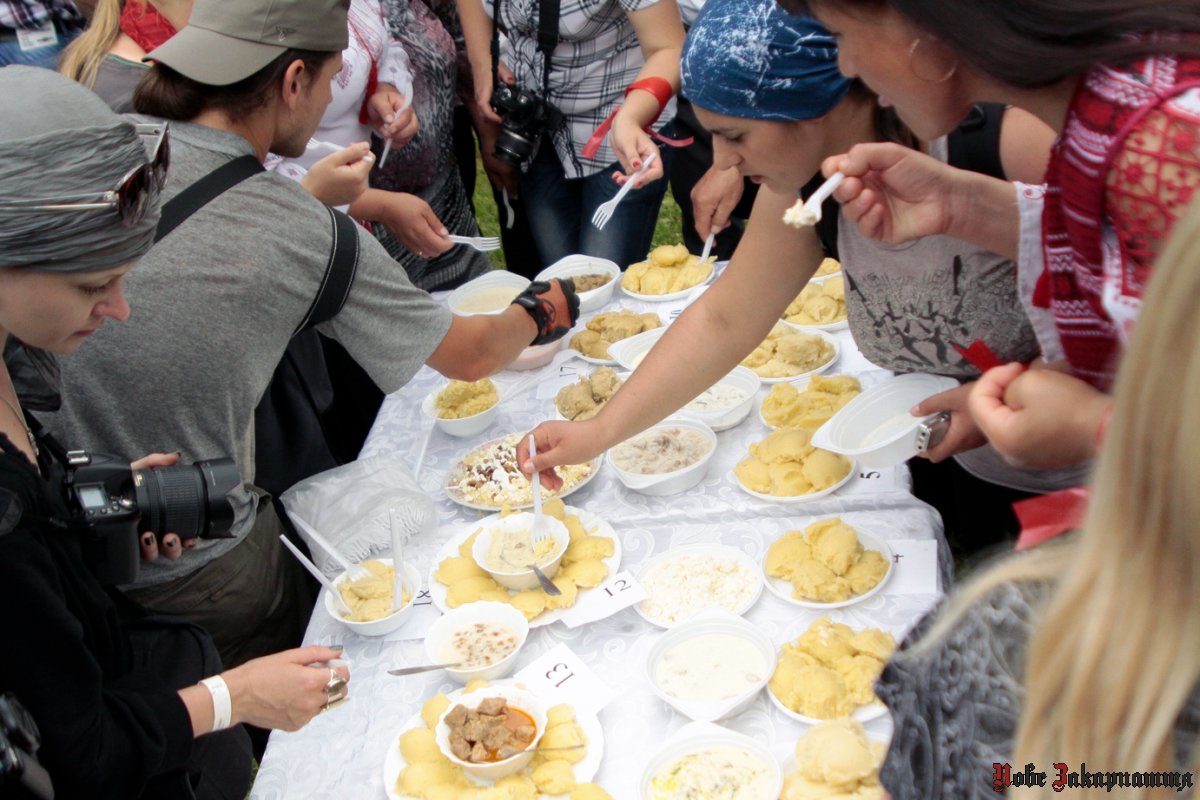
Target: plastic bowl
x=384, y=625
x=671, y=482
x=538, y=355
x=572, y=266
x=517, y=698
x=520, y=580
x=720, y=419
x=628, y=353
x=709, y=622
x=494, y=281
x=697, y=736
x=465, y=616
x=875, y=428
x=465, y=426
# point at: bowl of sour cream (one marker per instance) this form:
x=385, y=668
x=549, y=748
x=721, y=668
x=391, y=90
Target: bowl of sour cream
x=728, y=401
x=701, y=756
x=712, y=666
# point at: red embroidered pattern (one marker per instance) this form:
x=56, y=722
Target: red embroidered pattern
x=1126, y=164
x=143, y=23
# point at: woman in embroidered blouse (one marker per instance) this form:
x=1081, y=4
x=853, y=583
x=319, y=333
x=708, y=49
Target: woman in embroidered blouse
x=1118, y=80
x=604, y=47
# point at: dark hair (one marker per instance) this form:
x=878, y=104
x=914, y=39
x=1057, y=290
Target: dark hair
x=163, y=92
x=1037, y=43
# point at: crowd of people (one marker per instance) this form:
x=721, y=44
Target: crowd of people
x=172, y=189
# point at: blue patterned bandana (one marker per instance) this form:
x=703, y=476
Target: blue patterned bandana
x=751, y=59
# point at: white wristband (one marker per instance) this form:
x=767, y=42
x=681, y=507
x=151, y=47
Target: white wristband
x=222, y=702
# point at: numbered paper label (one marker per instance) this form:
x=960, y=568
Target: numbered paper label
x=619, y=592
x=563, y=676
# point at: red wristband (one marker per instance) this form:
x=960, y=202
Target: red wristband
x=662, y=91
x=659, y=87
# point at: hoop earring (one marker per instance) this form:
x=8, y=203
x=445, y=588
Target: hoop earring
x=912, y=52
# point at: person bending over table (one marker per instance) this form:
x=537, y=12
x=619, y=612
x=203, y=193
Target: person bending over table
x=114, y=691
x=222, y=294
x=1121, y=92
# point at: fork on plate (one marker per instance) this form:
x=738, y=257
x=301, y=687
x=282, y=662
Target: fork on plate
x=483, y=244
x=605, y=211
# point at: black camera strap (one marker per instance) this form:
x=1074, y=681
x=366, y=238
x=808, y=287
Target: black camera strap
x=548, y=15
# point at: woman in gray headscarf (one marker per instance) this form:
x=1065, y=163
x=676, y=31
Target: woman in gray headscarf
x=114, y=691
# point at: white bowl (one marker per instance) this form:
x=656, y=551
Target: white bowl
x=712, y=621
x=521, y=580
x=720, y=419
x=498, y=280
x=465, y=616
x=875, y=428
x=517, y=698
x=464, y=426
x=538, y=355
x=799, y=498
x=384, y=625
x=837, y=351
x=572, y=266
x=671, y=482
x=630, y=352
x=783, y=589
x=697, y=736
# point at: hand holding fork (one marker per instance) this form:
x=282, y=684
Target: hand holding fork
x=605, y=212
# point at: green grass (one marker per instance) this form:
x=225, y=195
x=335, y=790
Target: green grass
x=667, y=231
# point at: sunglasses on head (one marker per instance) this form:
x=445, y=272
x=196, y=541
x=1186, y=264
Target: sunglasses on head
x=133, y=194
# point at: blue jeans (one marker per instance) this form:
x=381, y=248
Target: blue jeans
x=560, y=211
x=11, y=52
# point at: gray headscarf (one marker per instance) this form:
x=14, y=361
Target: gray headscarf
x=59, y=139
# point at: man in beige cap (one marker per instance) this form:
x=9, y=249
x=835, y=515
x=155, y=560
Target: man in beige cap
x=218, y=299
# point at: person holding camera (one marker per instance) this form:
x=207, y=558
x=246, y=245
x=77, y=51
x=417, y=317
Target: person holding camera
x=591, y=84
x=127, y=704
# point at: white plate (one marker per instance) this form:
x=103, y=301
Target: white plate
x=837, y=352
x=800, y=498
x=783, y=589
x=581, y=325
x=454, y=494
x=721, y=550
x=840, y=325
x=801, y=385
x=449, y=548
x=669, y=296
x=585, y=770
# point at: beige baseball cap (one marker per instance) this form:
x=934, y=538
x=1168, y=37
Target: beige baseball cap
x=226, y=41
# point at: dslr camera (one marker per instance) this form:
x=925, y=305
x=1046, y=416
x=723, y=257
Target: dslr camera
x=525, y=116
x=112, y=503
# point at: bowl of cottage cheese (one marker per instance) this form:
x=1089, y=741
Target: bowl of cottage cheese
x=686, y=580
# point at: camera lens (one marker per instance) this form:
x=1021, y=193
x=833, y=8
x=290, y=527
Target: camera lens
x=188, y=499
x=513, y=147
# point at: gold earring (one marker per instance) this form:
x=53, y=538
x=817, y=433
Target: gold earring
x=912, y=52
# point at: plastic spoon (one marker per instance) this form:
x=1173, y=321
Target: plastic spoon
x=338, y=603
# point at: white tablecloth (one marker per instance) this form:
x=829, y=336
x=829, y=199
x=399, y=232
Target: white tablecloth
x=341, y=754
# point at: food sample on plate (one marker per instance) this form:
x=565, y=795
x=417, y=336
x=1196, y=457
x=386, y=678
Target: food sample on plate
x=835, y=759
x=829, y=266
x=710, y=667
x=786, y=353
x=785, y=464
x=512, y=551
x=590, y=281
x=820, y=303
x=370, y=597
x=669, y=268
x=679, y=587
x=583, y=399
x=720, y=773
x=429, y=775
x=489, y=476
x=717, y=397
x=611, y=326
x=830, y=670
x=582, y=567
x=661, y=450
x=463, y=399
x=785, y=406
x=491, y=732
x=825, y=563
x=479, y=644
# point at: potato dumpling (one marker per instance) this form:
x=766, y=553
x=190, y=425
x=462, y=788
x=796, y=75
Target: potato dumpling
x=589, y=548
x=468, y=590
x=465, y=548
x=555, y=508
x=570, y=593
x=559, y=715
x=575, y=529
x=440, y=791
x=519, y=787
x=478, y=683
x=568, y=734
x=530, y=603
x=497, y=595
x=554, y=777
x=585, y=574
x=589, y=791
x=456, y=569
x=433, y=708
x=416, y=778
x=420, y=744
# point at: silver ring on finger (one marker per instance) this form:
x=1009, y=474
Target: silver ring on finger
x=336, y=690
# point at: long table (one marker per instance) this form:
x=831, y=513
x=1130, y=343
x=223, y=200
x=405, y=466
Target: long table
x=341, y=754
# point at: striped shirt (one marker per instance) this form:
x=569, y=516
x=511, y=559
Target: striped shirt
x=26, y=14
x=596, y=59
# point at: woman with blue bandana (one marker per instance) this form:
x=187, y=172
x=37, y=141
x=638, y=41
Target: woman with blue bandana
x=767, y=86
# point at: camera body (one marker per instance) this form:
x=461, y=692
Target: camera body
x=113, y=503
x=525, y=116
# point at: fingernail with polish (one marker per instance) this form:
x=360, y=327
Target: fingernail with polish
x=337, y=648
x=147, y=539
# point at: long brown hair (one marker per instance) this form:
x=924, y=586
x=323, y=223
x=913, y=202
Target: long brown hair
x=1037, y=43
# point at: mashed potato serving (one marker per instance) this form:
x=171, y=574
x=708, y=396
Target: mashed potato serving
x=786, y=353
x=370, y=597
x=835, y=759
x=830, y=670
x=462, y=399
x=825, y=563
x=669, y=268
x=785, y=464
x=819, y=303
x=584, y=399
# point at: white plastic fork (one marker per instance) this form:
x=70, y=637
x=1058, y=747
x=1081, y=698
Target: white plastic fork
x=483, y=244
x=353, y=571
x=708, y=246
x=812, y=206
x=605, y=211
x=540, y=532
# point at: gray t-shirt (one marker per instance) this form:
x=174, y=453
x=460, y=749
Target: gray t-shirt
x=115, y=81
x=909, y=304
x=213, y=306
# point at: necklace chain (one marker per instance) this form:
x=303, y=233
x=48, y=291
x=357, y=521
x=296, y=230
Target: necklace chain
x=21, y=418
